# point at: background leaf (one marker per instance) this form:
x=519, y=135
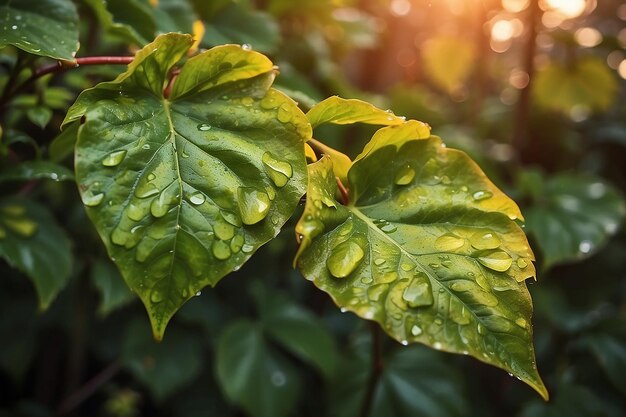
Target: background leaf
x=254, y=376
x=31, y=241
x=41, y=27
x=184, y=190
x=31, y=170
x=572, y=216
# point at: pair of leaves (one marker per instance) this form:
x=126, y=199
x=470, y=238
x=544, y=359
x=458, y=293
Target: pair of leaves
x=184, y=189
x=426, y=246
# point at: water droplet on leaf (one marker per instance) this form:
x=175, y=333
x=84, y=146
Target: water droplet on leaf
x=419, y=292
x=345, y=258
x=449, y=243
x=279, y=171
x=484, y=240
x=253, y=204
x=405, y=175
x=221, y=250
x=92, y=200
x=197, y=198
x=498, y=261
x=482, y=195
x=203, y=127
x=114, y=158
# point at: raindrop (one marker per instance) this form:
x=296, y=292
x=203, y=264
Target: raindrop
x=253, y=204
x=389, y=228
x=221, y=250
x=437, y=345
x=498, y=261
x=449, y=243
x=283, y=114
x=379, y=261
x=231, y=218
x=247, y=248
x=585, y=246
x=156, y=296
x=405, y=175
x=278, y=379
x=197, y=198
x=92, y=200
x=145, y=190
x=419, y=292
x=485, y=240
x=236, y=243
x=114, y=158
x=521, y=322
x=416, y=330
x=279, y=171
x=146, y=146
x=522, y=263
x=223, y=230
x=345, y=258
x=203, y=127
x=481, y=195
x=160, y=205
x=376, y=291
x=199, y=293
x=246, y=47
x=406, y=267
x=14, y=27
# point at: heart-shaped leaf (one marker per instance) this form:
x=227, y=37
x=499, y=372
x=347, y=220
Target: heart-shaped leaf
x=572, y=215
x=427, y=247
x=184, y=189
x=31, y=241
x=41, y=27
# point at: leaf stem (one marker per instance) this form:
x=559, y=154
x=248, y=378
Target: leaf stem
x=345, y=196
x=62, y=66
x=317, y=146
x=377, y=370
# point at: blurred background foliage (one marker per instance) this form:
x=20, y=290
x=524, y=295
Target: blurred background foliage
x=532, y=90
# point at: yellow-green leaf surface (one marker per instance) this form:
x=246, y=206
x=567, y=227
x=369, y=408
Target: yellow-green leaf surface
x=343, y=111
x=427, y=246
x=183, y=190
x=40, y=27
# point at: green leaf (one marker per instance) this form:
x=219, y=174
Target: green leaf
x=588, y=85
x=184, y=190
x=253, y=376
x=343, y=111
x=31, y=242
x=608, y=345
x=41, y=27
x=163, y=367
x=122, y=24
x=572, y=216
x=414, y=381
x=427, y=247
x=108, y=281
x=448, y=61
x=35, y=170
x=39, y=115
x=62, y=146
x=298, y=331
x=174, y=16
x=573, y=401
x=237, y=23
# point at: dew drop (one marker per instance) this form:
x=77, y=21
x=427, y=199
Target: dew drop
x=585, y=246
x=203, y=127
x=253, y=204
x=160, y=205
x=197, y=198
x=92, y=200
x=278, y=379
x=521, y=322
x=388, y=228
x=498, y=261
x=484, y=240
x=145, y=190
x=114, y=158
x=416, y=330
x=437, y=345
x=246, y=47
x=345, y=258
x=449, y=243
x=283, y=114
x=236, y=243
x=151, y=177
x=419, y=292
x=404, y=342
x=404, y=176
x=247, y=248
x=221, y=250
x=145, y=146
x=376, y=291
x=522, y=263
x=279, y=171
x=379, y=261
x=156, y=296
x=223, y=230
x=482, y=195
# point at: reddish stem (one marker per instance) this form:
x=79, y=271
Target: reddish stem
x=345, y=196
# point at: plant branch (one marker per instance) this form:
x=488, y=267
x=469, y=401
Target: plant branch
x=87, y=390
x=318, y=147
x=377, y=369
x=62, y=66
x=345, y=196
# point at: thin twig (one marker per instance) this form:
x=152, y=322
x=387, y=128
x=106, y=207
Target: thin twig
x=377, y=369
x=88, y=389
x=345, y=195
x=317, y=146
x=62, y=66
